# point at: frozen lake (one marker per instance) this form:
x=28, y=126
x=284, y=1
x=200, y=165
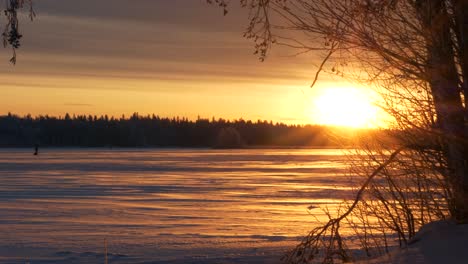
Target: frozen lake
x=162, y=206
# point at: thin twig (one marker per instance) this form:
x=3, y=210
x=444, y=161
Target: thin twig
x=319, y=70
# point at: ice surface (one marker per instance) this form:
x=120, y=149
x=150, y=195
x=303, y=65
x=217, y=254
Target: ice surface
x=162, y=206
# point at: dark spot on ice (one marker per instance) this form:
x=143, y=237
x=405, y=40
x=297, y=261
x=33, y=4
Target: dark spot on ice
x=270, y=238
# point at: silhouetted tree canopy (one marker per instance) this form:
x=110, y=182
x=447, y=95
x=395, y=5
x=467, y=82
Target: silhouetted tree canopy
x=154, y=131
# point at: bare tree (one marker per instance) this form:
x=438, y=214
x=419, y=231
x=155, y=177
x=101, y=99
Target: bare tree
x=414, y=53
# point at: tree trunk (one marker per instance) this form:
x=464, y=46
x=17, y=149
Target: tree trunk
x=461, y=33
x=443, y=78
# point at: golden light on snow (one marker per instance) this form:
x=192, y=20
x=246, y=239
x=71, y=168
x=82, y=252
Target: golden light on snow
x=344, y=106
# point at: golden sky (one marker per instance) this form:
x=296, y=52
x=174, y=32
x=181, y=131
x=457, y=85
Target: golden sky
x=170, y=58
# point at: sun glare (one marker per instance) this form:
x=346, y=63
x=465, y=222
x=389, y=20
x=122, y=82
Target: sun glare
x=348, y=107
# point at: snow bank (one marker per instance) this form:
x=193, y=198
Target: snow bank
x=440, y=242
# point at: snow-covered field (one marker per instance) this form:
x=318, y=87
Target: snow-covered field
x=162, y=206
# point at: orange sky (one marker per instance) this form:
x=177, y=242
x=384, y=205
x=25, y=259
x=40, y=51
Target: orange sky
x=171, y=58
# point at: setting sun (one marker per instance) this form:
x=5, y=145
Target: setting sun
x=344, y=107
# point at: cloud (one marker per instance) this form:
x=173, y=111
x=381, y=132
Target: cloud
x=172, y=56
x=193, y=13
x=145, y=39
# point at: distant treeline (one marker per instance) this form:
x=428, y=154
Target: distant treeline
x=155, y=131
